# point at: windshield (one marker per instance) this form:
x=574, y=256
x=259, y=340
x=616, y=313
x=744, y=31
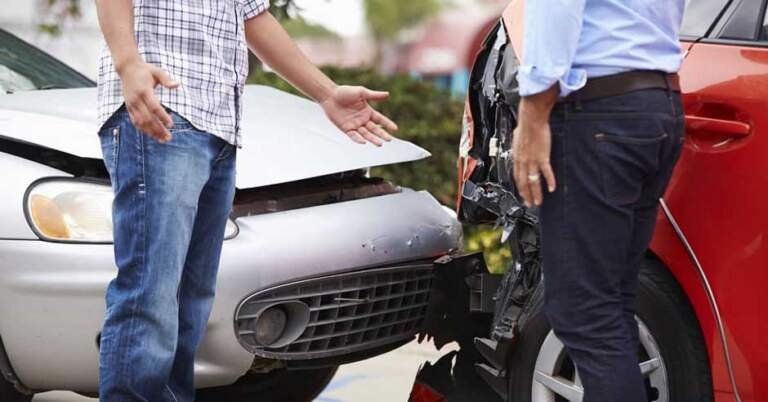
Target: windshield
x=23, y=67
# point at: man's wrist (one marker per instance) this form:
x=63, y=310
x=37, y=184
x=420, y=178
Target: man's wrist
x=121, y=65
x=325, y=92
x=535, y=110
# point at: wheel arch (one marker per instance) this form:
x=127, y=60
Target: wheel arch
x=670, y=248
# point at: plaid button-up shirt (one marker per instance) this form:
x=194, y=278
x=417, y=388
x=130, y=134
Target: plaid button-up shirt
x=201, y=44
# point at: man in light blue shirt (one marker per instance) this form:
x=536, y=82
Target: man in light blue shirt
x=569, y=41
x=600, y=124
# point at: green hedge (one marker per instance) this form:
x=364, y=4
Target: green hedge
x=429, y=117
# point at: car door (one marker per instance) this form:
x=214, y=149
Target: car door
x=719, y=194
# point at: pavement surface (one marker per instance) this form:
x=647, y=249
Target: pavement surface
x=387, y=378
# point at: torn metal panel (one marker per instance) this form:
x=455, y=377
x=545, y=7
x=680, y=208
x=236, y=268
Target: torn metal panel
x=453, y=378
x=488, y=196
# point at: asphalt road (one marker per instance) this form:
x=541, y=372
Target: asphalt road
x=387, y=378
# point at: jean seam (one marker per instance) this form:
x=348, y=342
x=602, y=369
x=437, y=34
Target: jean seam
x=140, y=222
x=115, y=151
x=170, y=392
x=223, y=153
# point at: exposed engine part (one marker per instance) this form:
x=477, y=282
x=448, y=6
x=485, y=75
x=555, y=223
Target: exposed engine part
x=306, y=193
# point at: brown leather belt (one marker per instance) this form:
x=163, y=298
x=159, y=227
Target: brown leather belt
x=619, y=84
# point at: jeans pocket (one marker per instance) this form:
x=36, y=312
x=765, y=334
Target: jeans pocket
x=626, y=161
x=110, y=149
x=622, y=139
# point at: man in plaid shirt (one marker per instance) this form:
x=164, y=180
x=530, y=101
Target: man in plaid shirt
x=169, y=107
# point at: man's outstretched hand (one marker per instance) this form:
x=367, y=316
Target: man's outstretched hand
x=347, y=107
x=147, y=113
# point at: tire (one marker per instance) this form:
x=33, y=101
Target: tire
x=669, y=330
x=278, y=386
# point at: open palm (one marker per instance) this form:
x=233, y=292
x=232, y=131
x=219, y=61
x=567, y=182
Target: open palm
x=347, y=107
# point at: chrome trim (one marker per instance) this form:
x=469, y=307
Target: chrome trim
x=710, y=295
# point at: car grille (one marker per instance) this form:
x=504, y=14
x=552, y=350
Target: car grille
x=348, y=312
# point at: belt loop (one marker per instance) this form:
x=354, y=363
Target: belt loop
x=668, y=85
x=670, y=93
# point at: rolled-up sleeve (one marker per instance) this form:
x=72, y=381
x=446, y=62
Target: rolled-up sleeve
x=550, y=39
x=254, y=7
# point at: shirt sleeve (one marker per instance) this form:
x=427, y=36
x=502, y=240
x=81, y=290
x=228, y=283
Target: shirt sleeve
x=550, y=38
x=254, y=7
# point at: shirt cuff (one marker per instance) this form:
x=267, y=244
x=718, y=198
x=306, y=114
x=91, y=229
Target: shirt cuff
x=254, y=7
x=533, y=80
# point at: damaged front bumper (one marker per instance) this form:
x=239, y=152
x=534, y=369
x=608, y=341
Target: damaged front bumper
x=479, y=311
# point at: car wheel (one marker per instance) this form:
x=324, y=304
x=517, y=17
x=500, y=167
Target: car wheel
x=277, y=386
x=673, y=356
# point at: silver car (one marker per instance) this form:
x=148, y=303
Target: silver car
x=323, y=264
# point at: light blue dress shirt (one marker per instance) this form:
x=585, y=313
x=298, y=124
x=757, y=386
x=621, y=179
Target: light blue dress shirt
x=569, y=41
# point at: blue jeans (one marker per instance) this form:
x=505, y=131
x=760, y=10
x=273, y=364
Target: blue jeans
x=613, y=158
x=170, y=210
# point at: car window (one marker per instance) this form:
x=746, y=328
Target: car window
x=700, y=15
x=744, y=22
x=24, y=67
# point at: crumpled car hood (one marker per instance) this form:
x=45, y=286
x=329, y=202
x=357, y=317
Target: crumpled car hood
x=287, y=138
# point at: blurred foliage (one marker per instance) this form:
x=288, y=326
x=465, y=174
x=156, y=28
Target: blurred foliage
x=387, y=18
x=283, y=9
x=301, y=28
x=429, y=117
x=488, y=240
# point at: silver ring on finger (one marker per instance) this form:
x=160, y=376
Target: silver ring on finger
x=534, y=178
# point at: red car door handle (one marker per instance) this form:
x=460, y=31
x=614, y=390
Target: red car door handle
x=728, y=128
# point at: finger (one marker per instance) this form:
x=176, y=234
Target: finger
x=524, y=187
x=375, y=95
x=388, y=124
x=535, y=185
x=355, y=136
x=378, y=131
x=133, y=114
x=150, y=125
x=164, y=79
x=521, y=180
x=549, y=176
x=369, y=136
x=159, y=111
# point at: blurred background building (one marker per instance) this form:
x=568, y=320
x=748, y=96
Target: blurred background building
x=434, y=40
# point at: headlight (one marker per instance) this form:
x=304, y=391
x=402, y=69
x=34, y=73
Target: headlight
x=76, y=211
x=231, y=230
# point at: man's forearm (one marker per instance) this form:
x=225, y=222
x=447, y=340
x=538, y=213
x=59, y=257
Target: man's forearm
x=536, y=109
x=269, y=41
x=116, y=21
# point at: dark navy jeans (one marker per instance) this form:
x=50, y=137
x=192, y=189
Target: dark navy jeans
x=170, y=210
x=613, y=158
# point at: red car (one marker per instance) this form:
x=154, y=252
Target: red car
x=702, y=306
